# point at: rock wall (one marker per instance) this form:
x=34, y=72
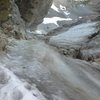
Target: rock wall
x=4, y=10
x=33, y=11
x=19, y=12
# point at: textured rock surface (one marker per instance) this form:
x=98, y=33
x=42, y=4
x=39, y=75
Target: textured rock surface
x=18, y=15
x=3, y=41
x=74, y=35
x=33, y=11
x=91, y=50
x=56, y=77
x=11, y=88
x=23, y=12
x=70, y=42
x=4, y=10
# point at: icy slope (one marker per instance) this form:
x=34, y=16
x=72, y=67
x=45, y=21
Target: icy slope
x=11, y=88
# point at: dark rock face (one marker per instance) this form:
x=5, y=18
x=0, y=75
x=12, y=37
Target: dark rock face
x=31, y=11
x=22, y=14
x=4, y=10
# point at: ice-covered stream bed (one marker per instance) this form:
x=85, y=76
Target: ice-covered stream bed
x=58, y=78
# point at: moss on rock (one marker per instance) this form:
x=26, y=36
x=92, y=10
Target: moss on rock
x=4, y=10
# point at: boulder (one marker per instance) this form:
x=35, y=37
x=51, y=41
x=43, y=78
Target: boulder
x=23, y=13
x=70, y=42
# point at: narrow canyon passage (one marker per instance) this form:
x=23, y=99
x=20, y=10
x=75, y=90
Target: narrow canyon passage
x=55, y=58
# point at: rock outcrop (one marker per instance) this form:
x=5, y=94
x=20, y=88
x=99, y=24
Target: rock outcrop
x=21, y=14
x=33, y=11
